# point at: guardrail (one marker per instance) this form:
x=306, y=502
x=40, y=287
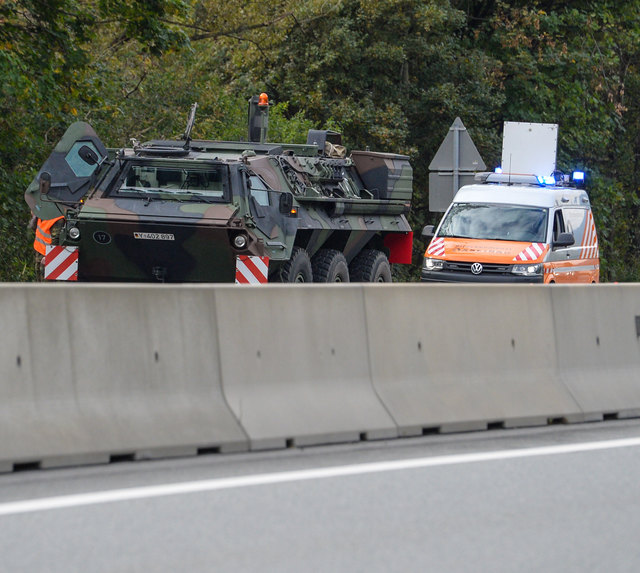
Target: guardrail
x=96, y=373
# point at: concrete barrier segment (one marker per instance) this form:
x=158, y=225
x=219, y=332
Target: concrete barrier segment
x=111, y=371
x=465, y=357
x=295, y=365
x=598, y=346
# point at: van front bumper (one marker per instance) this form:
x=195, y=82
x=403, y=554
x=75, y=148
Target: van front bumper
x=461, y=277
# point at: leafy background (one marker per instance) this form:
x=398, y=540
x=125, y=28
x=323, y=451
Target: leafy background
x=389, y=74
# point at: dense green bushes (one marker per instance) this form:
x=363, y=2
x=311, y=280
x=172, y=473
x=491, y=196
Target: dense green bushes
x=390, y=74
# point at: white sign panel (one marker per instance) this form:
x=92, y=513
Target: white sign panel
x=529, y=148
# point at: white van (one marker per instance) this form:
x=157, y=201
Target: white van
x=514, y=228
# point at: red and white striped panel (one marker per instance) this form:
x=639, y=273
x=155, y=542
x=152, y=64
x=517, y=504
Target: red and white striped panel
x=251, y=269
x=61, y=263
x=589, y=239
x=531, y=253
x=436, y=247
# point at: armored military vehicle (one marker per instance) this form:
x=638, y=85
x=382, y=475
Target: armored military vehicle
x=216, y=211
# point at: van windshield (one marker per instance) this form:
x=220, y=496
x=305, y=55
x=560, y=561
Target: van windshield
x=495, y=222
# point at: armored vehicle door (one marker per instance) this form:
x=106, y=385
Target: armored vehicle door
x=67, y=174
x=272, y=214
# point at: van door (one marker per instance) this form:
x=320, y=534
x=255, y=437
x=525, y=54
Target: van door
x=568, y=264
x=579, y=222
x=560, y=258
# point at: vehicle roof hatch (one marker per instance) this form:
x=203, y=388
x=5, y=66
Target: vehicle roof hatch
x=68, y=171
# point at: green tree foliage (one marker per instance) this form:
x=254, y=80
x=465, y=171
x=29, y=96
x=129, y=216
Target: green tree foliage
x=390, y=74
x=51, y=73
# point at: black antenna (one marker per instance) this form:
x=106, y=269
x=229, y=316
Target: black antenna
x=187, y=132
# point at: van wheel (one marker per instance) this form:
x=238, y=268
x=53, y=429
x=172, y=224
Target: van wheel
x=370, y=266
x=329, y=266
x=297, y=269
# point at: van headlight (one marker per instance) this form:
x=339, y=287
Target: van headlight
x=530, y=270
x=433, y=264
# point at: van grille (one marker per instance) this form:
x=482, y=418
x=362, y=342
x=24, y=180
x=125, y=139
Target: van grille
x=487, y=268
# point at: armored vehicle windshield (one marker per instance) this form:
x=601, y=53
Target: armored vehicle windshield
x=173, y=181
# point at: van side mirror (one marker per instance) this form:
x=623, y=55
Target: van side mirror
x=564, y=240
x=286, y=203
x=428, y=232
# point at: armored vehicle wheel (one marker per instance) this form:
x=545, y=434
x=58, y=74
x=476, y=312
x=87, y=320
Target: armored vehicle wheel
x=329, y=266
x=297, y=269
x=370, y=266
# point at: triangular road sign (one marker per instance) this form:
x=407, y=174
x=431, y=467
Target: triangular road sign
x=459, y=148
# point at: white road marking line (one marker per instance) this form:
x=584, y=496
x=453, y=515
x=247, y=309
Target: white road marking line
x=67, y=501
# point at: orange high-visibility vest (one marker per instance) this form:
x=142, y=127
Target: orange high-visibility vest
x=43, y=234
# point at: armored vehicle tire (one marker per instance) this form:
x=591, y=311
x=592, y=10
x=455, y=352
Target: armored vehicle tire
x=297, y=269
x=329, y=266
x=370, y=266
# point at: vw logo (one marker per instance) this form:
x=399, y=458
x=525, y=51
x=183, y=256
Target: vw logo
x=476, y=268
x=102, y=238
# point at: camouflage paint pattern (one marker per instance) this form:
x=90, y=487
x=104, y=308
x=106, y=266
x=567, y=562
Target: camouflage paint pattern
x=135, y=232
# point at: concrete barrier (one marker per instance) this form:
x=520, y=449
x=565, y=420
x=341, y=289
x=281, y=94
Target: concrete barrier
x=94, y=373
x=296, y=368
x=465, y=357
x=91, y=373
x=598, y=346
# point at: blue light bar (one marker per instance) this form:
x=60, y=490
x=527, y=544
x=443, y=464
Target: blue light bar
x=548, y=180
x=578, y=176
x=498, y=170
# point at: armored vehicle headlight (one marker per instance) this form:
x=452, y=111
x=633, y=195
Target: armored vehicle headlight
x=74, y=233
x=527, y=270
x=433, y=264
x=240, y=241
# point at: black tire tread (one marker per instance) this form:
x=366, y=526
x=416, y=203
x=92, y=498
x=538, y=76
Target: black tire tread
x=323, y=264
x=299, y=261
x=365, y=265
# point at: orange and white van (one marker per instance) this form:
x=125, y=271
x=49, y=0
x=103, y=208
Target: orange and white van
x=515, y=229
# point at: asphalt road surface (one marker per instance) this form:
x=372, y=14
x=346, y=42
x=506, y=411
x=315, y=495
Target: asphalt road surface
x=559, y=498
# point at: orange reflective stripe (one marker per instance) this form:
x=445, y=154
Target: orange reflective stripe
x=43, y=234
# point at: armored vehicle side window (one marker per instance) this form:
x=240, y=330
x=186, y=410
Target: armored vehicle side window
x=259, y=190
x=78, y=165
x=174, y=181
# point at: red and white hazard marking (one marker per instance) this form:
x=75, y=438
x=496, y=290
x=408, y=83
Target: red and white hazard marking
x=590, y=239
x=531, y=253
x=61, y=263
x=251, y=269
x=436, y=247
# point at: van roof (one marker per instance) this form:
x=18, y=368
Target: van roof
x=530, y=195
